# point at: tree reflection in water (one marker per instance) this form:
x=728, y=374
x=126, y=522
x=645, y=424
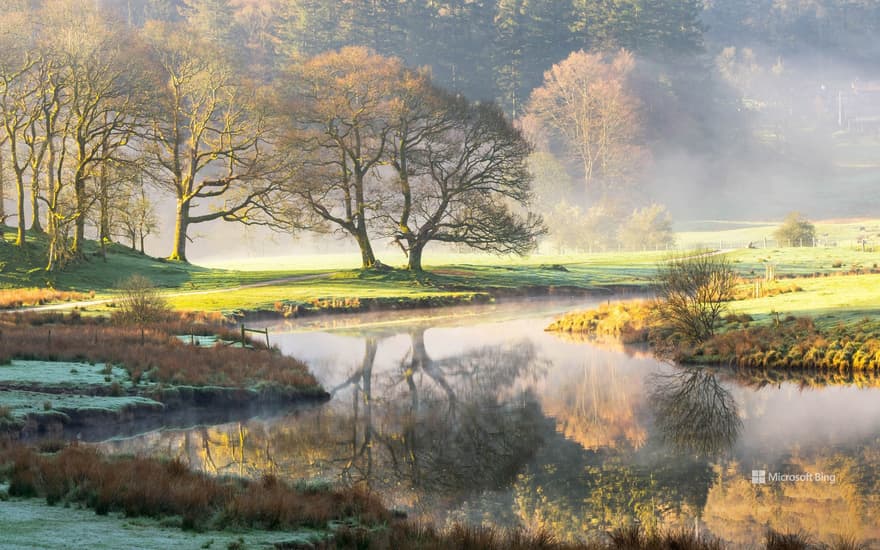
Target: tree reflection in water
x=693, y=412
x=425, y=432
x=456, y=425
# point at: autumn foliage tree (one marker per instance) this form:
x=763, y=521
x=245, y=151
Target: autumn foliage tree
x=586, y=108
x=385, y=152
x=339, y=110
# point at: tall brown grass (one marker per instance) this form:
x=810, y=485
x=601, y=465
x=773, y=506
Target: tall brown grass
x=156, y=352
x=19, y=297
x=149, y=487
x=794, y=343
x=630, y=322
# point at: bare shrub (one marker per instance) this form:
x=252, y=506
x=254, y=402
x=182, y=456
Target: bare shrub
x=141, y=303
x=692, y=294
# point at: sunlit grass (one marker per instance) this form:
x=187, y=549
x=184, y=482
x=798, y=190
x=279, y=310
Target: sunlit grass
x=829, y=299
x=460, y=281
x=731, y=233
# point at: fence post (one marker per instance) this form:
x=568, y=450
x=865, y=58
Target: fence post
x=242, y=336
x=267, y=337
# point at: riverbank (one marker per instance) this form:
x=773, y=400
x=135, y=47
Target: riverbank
x=63, y=376
x=149, y=503
x=847, y=340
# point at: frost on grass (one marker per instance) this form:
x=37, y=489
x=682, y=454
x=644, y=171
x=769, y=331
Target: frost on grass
x=30, y=523
x=62, y=373
x=22, y=403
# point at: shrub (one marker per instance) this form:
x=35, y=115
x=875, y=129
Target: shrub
x=795, y=230
x=647, y=228
x=141, y=303
x=692, y=294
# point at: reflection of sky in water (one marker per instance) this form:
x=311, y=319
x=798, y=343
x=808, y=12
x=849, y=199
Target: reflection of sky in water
x=596, y=398
x=777, y=418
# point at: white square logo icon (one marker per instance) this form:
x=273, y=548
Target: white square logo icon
x=759, y=477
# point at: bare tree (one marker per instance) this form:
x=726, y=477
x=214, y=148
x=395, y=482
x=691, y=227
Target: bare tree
x=208, y=136
x=140, y=302
x=339, y=126
x=18, y=112
x=134, y=213
x=102, y=71
x=461, y=170
x=693, y=293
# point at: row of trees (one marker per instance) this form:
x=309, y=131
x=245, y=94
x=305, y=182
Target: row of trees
x=347, y=141
x=90, y=111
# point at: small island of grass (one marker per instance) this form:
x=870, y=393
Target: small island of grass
x=734, y=327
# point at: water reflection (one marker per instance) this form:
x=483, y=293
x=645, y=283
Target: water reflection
x=693, y=412
x=495, y=421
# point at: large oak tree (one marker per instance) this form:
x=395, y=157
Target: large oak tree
x=339, y=106
x=207, y=136
x=461, y=173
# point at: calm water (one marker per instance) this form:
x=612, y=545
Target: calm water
x=479, y=415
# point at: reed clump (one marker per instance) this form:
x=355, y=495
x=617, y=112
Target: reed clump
x=630, y=322
x=20, y=297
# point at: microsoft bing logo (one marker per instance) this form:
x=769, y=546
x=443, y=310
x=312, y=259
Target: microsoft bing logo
x=759, y=477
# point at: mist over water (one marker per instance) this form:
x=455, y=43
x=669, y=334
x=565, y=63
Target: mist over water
x=482, y=415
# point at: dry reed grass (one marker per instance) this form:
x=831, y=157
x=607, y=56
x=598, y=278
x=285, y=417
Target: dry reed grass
x=20, y=297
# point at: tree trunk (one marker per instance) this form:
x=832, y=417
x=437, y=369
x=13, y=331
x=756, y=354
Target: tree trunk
x=180, y=227
x=414, y=263
x=36, y=225
x=19, y=204
x=2, y=195
x=79, y=234
x=368, y=259
x=104, y=215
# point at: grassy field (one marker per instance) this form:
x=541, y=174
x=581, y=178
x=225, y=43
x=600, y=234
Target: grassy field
x=827, y=299
x=22, y=268
x=331, y=282
x=30, y=523
x=711, y=233
x=460, y=282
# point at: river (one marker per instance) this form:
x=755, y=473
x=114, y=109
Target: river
x=476, y=414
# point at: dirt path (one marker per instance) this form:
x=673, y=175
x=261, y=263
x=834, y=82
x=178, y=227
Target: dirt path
x=91, y=303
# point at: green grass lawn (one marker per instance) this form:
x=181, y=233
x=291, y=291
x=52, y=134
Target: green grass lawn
x=828, y=299
x=449, y=277
x=803, y=261
x=459, y=281
x=712, y=233
x=25, y=268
